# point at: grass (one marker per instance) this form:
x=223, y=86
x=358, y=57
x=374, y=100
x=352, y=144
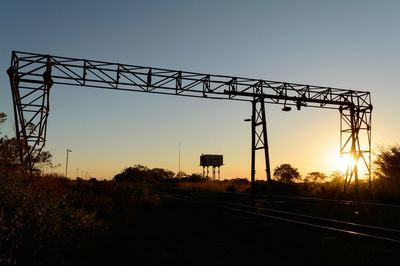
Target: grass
x=381, y=190
x=217, y=186
x=56, y=221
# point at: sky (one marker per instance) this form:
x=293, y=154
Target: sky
x=345, y=44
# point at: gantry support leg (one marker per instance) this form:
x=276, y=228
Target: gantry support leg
x=259, y=138
x=356, y=124
x=31, y=110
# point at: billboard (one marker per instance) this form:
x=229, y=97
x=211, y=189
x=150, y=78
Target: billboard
x=211, y=160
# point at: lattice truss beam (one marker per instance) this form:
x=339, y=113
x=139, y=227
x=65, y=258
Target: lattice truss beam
x=32, y=76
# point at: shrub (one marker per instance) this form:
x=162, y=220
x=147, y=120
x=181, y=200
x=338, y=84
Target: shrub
x=37, y=222
x=141, y=174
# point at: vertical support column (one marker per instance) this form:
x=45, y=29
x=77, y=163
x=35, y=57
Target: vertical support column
x=349, y=129
x=355, y=153
x=355, y=121
x=266, y=148
x=31, y=107
x=253, y=145
x=18, y=114
x=259, y=139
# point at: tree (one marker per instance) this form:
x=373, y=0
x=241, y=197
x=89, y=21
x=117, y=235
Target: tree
x=286, y=173
x=30, y=128
x=137, y=173
x=159, y=173
x=3, y=118
x=336, y=177
x=140, y=173
x=194, y=178
x=10, y=156
x=387, y=164
x=315, y=177
x=181, y=174
x=10, y=160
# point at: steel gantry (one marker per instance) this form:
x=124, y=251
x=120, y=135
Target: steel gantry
x=33, y=75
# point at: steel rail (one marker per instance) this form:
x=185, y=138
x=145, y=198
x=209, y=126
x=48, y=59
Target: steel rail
x=256, y=196
x=367, y=204
x=295, y=218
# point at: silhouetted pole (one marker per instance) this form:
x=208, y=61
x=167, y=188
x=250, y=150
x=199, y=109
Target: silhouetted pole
x=253, y=144
x=259, y=139
x=266, y=148
x=66, y=164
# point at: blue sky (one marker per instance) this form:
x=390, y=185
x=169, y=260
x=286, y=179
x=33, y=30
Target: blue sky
x=345, y=44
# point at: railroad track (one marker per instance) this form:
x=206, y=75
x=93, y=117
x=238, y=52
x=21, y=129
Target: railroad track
x=246, y=196
x=257, y=209
x=367, y=204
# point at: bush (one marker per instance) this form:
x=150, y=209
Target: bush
x=39, y=224
x=142, y=174
x=286, y=173
x=387, y=164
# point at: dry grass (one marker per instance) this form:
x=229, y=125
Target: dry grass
x=52, y=221
x=217, y=186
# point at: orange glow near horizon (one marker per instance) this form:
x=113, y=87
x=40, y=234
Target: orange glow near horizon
x=347, y=161
x=334, y=161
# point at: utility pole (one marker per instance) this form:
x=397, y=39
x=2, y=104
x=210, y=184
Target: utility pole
x=66, y=164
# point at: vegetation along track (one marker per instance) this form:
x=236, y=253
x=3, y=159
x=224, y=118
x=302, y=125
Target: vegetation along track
x=256, y=209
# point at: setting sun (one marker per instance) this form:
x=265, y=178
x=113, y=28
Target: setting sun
x=346, y=161
x=342, y=162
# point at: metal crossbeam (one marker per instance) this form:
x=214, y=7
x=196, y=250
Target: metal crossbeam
x=90, y=73
x=32, y=76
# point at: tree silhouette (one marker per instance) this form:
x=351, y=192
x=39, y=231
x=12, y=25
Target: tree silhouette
x=140, y=173
x=181, y=174
x=10, y=156
x=136, y=173
x=286, y=173
x=315, y=177
x=3, y=118
x=387, y=164
x=194, y=178
x=336, y=177
x=159, y=173
x=30, y=128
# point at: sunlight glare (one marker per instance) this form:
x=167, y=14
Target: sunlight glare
x=346, y=161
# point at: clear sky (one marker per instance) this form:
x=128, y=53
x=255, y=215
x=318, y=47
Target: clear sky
x=346, y=44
